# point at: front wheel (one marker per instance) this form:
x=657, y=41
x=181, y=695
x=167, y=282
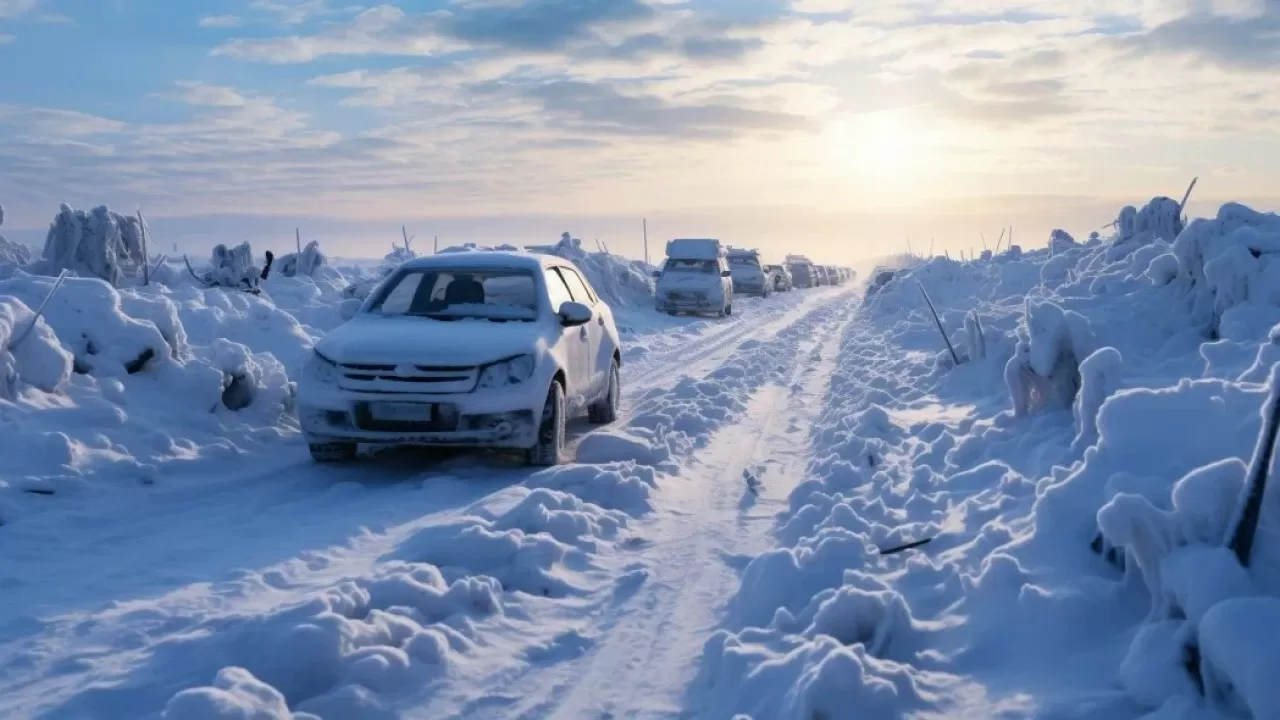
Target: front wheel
x=606, y=411
x=728, y=309
x=551, y=431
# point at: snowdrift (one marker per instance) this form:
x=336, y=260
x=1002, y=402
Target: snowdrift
x=1080, y=475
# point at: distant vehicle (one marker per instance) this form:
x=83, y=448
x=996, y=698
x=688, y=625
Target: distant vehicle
x=820, y=273
x=748, y=274
x=781, y=277
x=695, y=278
x=802, y=271
x=469, y=349
x=833, y=275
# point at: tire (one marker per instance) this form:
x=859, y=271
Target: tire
x=549, y=449
x=606, y=411
x=728, y=309
x=333, y=452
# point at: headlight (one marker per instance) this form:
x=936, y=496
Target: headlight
x=322, y=369
x=511, y=371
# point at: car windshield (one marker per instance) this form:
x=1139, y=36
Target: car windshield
x=497, y=294
x=800, y=269
x=744, y=260
x=678, y=265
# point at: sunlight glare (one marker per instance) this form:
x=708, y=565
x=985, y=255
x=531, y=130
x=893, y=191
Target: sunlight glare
x=881, y=148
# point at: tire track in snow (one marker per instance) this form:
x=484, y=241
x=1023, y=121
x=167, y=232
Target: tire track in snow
x=665, y=594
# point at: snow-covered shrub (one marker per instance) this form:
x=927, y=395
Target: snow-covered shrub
x=12, y=253
x=99, y=244
x=975, y=338
x=1099, y=378
x=304, y=264
x=1159, y=219
x=1061, y=241
x=1228, y=261
x=1045, y=370
x=234, y=268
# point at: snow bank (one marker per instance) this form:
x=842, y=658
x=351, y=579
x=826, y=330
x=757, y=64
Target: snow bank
x=11, y=253
x=1078, y=479
x=111, y=387
x=621, y=282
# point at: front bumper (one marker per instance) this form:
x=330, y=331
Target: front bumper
x=499, y=418
x=689, y=303
x=750, y=287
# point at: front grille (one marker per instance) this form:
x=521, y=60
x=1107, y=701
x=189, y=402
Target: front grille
x=408, y=379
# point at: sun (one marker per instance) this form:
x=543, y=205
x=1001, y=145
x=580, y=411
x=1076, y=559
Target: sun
x=878, y=148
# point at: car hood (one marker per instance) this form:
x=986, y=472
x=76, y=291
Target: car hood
x=373, y=339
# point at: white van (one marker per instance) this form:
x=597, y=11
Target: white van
x=749, y=277
x=695, y=278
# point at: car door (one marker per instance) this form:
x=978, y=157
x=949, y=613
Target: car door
x=597, y=335
x=575, y=344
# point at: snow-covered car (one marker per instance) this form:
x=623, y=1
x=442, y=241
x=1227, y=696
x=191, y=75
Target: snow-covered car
x=781, y=277
x=469, y=349
x=695, y=278
x=749, y=277
x=802, y=271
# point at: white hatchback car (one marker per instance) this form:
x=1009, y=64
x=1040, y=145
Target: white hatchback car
x=468, y=349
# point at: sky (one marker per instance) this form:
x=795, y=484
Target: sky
x=841, y=128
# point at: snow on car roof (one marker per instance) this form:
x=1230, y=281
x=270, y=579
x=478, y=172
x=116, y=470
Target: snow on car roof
x=481, y=259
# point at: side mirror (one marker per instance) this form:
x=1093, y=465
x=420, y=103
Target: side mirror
x=726, y=273
x=349, y=308
x=573, y=314
x=657, y=274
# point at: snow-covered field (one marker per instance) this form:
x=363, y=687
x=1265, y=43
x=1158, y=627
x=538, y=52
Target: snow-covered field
x=167, y=548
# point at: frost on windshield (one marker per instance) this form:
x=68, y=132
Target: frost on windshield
x=491, y=294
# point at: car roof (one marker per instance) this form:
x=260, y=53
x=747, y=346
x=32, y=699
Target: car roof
x=482, y=259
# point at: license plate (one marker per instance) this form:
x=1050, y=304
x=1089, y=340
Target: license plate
x=401, y=412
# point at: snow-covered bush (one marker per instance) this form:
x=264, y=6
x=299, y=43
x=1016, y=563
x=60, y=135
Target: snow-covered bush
x=11, y=253
x=302, y=265
x=1047, y=365
x=1229, y=261
x=1061, y=241
x=234, y=267
x=99, y=244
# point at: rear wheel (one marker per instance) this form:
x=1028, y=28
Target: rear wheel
x=728, y=309
x=551, y=431
x=332, y=452
x=606, y=411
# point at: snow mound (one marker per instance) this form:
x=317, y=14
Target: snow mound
x=11, y=253
x=621, y=282
x=1065, y=496
x=111, y=387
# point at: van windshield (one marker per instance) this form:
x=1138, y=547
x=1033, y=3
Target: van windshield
x=688, y=266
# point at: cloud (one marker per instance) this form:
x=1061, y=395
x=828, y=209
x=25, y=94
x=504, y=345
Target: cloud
x=1250, y=43
x=13, y=8
x=598, y=108
x=6, y=39
x=296, y=12
x=220, y=21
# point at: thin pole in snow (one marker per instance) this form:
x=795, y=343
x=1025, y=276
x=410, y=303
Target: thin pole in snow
x=909, y=250
x=435, y=244
x=146, y=259
x=644, y=226
x=297, y=240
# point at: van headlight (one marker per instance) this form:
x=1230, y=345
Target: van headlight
x=511, y=371
x=322, y=369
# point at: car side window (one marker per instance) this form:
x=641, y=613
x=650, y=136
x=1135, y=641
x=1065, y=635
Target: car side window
x=557, y=292
x=581, y=292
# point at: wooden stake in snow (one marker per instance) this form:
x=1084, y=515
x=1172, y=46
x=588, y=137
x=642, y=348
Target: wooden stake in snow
x=1182, y=206
x=984, y=240
x=435, y=244
x=938, y=321
x=297, y=241
x=1242, y=531
x=644, y=227
x=146, y=259
x=1001, y=239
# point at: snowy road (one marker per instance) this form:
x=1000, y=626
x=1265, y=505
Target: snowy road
x=612, y=575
